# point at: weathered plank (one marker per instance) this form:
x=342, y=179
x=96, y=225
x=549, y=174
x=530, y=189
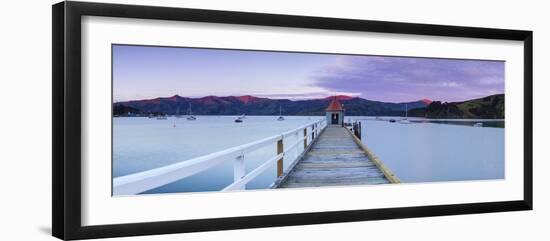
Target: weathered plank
x=335, y=159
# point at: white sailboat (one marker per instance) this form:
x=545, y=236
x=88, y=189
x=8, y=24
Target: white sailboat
x=240, y=118
x=406, y=120
x=178, y=113
x=191, y=116
x=281, y=118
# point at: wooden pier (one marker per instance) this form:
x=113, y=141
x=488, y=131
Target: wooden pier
x=331, y=156
x=336, y=158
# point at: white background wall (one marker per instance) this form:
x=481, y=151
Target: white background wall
x=25, y=129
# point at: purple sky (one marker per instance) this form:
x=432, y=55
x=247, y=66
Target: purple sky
x=149, y=72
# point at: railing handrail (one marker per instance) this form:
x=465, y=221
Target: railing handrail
x=147, y=180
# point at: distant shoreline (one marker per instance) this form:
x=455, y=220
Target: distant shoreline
x=383, y=118
x=489, y=107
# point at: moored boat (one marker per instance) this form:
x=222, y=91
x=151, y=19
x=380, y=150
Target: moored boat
x=406, y=119
x=191, y=116
x=178, y=113
x=281, y=118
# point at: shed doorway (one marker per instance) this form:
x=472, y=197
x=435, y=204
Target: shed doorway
x=334, y=119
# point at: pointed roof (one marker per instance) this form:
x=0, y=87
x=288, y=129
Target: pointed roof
x=335, y=105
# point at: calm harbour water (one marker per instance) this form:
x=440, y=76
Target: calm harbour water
x=418, y=152
x=432, y=151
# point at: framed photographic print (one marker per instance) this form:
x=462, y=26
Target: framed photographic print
x=170, y=120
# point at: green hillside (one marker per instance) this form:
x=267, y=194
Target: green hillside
x=490, y=107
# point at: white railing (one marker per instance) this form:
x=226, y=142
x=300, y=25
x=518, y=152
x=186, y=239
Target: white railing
x=147, y=180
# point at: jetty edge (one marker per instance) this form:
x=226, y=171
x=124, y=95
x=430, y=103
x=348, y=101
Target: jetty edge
x=386, y=170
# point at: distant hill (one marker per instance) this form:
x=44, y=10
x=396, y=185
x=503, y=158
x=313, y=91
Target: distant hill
x=119, y=109
x=490, y=107
x=251, y=105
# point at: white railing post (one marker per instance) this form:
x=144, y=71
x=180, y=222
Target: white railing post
x=296, y=140
x=239, y=170
x=319, y=127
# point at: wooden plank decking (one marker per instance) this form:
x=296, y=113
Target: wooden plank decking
x=335, y=159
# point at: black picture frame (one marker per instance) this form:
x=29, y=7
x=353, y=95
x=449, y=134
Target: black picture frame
x=66, y=128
